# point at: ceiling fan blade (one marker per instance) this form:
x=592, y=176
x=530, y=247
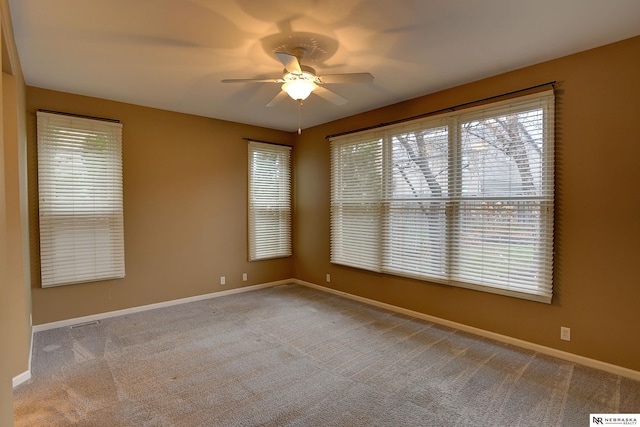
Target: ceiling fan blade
x=347, y=78
x=330, y=96
x=290, y=62
x=278, y=98
x=273, y=80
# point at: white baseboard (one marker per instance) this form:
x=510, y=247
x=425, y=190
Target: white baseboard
x=19, y=379
x=106, y=315
x=593, y=363
x=26, y=375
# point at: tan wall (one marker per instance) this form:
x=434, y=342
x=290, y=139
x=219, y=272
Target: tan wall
x=597, y=262
x=185, y=204
x=15, y=327
x=16, y=219
x=6, y=325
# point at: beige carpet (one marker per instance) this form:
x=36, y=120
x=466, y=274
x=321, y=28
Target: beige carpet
x=293, y=356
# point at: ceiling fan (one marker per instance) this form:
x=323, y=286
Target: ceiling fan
x=299, y=81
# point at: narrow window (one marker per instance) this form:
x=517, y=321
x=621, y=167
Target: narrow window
x=80, y=199
x=269, y=201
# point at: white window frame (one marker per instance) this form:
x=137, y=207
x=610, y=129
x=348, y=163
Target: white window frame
x=372, y=226
x=81, y=216
x=269, y=202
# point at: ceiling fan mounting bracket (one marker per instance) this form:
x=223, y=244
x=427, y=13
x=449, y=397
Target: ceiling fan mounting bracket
x=317, y=47
x=299, y=52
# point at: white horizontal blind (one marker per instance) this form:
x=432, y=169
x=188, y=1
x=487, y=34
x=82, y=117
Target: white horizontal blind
x=504, y=222
x=80, y=199
x=356, y=195
x=269, y=201
x=465, y=198
x=416, y=198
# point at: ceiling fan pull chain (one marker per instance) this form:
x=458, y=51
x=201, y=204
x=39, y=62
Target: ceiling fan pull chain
x=299, y=113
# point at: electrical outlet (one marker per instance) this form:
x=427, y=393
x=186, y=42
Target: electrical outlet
x=328, y=277
x=244, y=277
x=565, y=333
x=222, y=280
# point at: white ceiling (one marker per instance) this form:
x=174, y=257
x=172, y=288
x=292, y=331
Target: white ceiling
x=173, y=54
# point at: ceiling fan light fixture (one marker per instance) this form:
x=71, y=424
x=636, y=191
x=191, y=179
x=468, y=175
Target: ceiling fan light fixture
x=299, y=90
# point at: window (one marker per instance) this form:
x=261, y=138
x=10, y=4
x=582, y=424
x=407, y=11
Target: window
x=269, y=201
x=464, y=198
x=80, y=199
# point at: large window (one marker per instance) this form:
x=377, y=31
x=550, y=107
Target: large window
x=80, y=199
x=464, y=198
x=269, y=201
